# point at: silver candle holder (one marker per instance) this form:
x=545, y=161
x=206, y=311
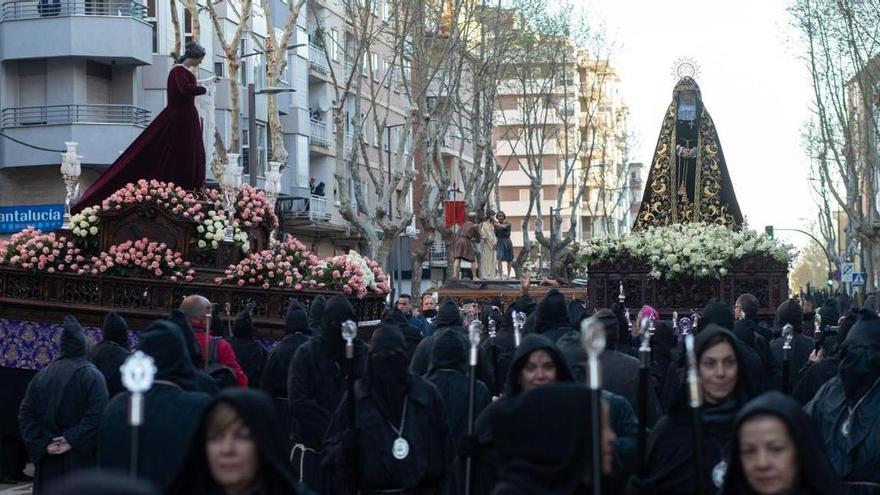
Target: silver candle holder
x=71, y=168
x=231, y=183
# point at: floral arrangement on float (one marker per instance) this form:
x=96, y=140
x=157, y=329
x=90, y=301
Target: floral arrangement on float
x=212, y=230
x=252, y=206
x=289, y=264
x=696, y=250
x=31, y=249
x=141, y=257
x=171, y=198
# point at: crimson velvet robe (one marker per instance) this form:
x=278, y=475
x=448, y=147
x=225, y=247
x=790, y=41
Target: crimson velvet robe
x=170, y=149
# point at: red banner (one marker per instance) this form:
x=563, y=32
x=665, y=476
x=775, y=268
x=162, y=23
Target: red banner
x=454, y=213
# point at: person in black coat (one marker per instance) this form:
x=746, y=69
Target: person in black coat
x=398, y=439
x=237, y=446
x=316, y=383
x=411, y=333
x=813, y=375
x=747, y=330
x=61, y=410
x=789, y=312
x=172, y=410
x=449, y=374
x=537, y=362
x=448, y=319
x=552, y=316
x=547, y=435
x=777, y=450
x=109, y=354
x=846, y=410
x=620, y=372
x=500, y=350
x=203, y=381
x=725, y=389
x=251, y=355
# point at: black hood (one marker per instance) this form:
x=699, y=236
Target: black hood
x=552, y=311
x=859, y=366
x=73, y=339
x=386, y=375
x=448, y=315
x=258, y=413
x=163, y=341
x=316, y=313
x=829, y=313
x=507, y=319
x=547, y=438
x=244, y=326
x=337, y=311
x=611, y=324
x=525, y=304
x=529, y=344
x=575, y=355
x=115, y=329
x=296, y=320
x=717, y=313
x=449, y=352
x=816, y=474
x=576, y=313
x=388, y=338
x=790, y=312
x=192, y=347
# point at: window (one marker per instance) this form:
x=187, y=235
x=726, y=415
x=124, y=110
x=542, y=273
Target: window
x=242, y=69
x=32, y=91
x=151, y=19
x=218, y=69
x=386, y=10
x=334, y=44
x=374, y=65
x=374, y=7
x=395, y=71
x=386, y=71
x=364, y=65
x=187, y=26
x=259, y=164
x=376, y=135
x=98, y=80
x=245, y=149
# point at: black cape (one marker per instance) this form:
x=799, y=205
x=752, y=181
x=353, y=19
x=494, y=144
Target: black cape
x=64, y=399
x=172, y=410
x=816, y=475
x=256, y=411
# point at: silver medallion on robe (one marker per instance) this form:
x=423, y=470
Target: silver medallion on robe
x=718, y=474
x=400, y=449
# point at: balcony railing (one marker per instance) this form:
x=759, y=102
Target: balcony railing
x=438, y=253
x=318, y=208
x=31, y=9
x=74, y=114
x=318, y=134
x=317, y=59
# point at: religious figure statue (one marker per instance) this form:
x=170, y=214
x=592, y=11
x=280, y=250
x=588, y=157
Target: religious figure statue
x=205, y=107
x=170, y=149
x=464, y=246
x=504, y=248
x=488, y=261
x=688, y=180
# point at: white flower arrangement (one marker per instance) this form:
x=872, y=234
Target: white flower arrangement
x=697, y=250
x=85, y=223
x=212, y=230
x=369, y=276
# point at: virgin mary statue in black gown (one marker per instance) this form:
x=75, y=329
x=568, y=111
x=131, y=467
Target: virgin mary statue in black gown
x=688, y=181
x=170, y=149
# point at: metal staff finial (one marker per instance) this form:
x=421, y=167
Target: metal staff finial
x=349, y=332
x=519, y=320
x=593, y=341
x=621, y=297
x=137, y=373
x=475, y=329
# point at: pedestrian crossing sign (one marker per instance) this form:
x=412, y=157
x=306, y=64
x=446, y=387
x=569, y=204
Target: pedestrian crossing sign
x=858, y=279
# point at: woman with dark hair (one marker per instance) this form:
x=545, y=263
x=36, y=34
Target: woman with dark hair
x=776, y=450
x=236, y=449
x=170, y=149
x=548, y=439
x=536, y=363
x=725, y=389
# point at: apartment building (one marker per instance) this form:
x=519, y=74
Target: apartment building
x=578, y=134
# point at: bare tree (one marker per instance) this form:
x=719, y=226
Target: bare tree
x=842, y=42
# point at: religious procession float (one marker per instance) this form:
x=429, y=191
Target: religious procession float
x=150, y=244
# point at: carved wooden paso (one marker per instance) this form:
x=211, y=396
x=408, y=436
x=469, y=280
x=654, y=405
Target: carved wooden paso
x=764, y=277
x=41, y=296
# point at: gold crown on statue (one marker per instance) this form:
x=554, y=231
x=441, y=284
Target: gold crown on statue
x=685, y=68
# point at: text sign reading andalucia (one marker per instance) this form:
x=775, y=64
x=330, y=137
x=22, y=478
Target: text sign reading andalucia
x=43, y=217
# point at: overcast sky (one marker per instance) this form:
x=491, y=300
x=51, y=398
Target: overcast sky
x=752, y=82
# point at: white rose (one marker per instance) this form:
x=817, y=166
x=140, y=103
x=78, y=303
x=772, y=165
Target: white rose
x=722, y=271
x=93, y=230
x=202, y=244
x=84, y=224
x=676, y=267
x=200, y=229
x=214, y=244
x=210, y=227
x=245, y=247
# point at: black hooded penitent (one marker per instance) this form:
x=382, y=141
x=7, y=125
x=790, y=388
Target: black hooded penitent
x=250, y=354
x=109, y=354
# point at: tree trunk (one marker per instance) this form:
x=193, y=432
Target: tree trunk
x=175, y=23
x=233, y=64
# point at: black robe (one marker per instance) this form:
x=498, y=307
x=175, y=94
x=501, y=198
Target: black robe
x=256, y=410
x=172, y=410
x=801, y=348
x=816, y=475
x=489, y=457
x=251, y=356
x=746, y=330
x=421, y=359
x=425, y=429
x=64, y=399
x=108, y=356
x=620, y=375
x=811, y=378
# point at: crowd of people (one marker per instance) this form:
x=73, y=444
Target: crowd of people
x=788, y=408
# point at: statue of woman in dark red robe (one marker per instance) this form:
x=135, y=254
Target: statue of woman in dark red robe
x=170, y=149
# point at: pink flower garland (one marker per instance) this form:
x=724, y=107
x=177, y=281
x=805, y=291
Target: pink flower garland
x=32, y=249
x=151, y=258
x=173, y=199
x=251, y=207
